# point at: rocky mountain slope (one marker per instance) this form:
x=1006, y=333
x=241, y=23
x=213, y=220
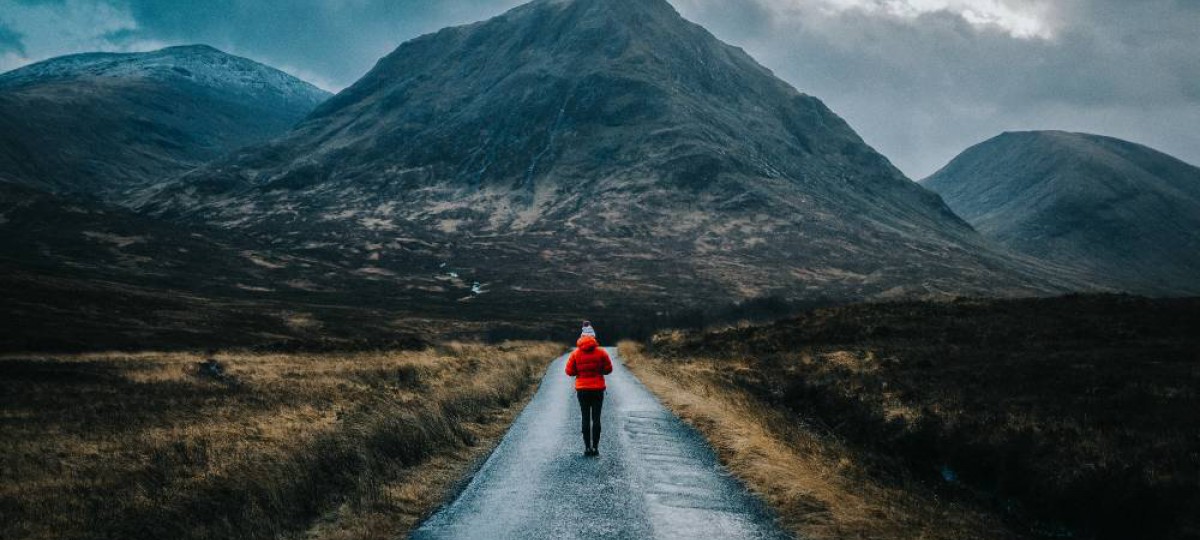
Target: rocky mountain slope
x=78, y=274
x=105, y=125
x=79, y=136
x=599, y=153
x=1124, y=214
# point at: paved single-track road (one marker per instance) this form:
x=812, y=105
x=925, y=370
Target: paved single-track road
x=655, y=478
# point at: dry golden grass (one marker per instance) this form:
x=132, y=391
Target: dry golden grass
x=1069, y=417
x=335, y=446
x=821, y=488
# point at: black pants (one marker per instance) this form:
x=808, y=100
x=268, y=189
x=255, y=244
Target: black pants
x=590, y=403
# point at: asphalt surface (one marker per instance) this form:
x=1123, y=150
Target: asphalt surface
x=656, y=477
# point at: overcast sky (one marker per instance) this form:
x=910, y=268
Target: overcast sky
x=920, y=79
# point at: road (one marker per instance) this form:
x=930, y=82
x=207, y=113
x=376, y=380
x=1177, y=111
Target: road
x=655, y=478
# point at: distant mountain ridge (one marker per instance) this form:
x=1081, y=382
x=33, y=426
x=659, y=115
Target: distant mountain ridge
x=107, y=124
x=80, y=136
x=601, y=151
x=1124, y=214
x=202, y=64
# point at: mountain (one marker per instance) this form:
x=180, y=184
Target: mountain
x=1123, y=214
x=105, y=124
x=79, y=136
x=79, y=274
x=604, y=154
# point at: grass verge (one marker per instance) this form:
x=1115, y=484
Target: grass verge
x=1065, y=417
x=820, y=487
x=265, y=446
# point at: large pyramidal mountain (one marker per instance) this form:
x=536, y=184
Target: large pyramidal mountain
x=594, y=150
x=106, y=124
x=1124, y=214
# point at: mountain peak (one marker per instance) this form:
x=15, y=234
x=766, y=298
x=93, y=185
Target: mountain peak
x=201, y=65
x=634, y=7
x=1054, y=135
x=1056, y=148
x=117, y=122
x=564, y=129
x=1124, y=213
x=645, y=40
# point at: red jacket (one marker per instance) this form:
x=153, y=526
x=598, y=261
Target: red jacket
x=589, y=364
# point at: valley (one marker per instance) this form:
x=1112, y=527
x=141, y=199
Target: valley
x=237, y=305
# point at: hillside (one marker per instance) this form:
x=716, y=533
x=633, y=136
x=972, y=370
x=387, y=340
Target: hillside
x=592, y=157
x=77, y=274
x=107, y=124
x=1125, y=215
x=1069, y=417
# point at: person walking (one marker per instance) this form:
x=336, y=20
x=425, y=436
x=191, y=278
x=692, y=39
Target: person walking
x=589, y=364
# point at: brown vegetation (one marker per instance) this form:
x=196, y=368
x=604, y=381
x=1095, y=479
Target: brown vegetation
x=255, y=446
x=821, y=487
x=1074, y=416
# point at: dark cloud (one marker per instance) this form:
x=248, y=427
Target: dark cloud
x=922, y=89
x=334, y=41
x=10, y=41
x=918, y=87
